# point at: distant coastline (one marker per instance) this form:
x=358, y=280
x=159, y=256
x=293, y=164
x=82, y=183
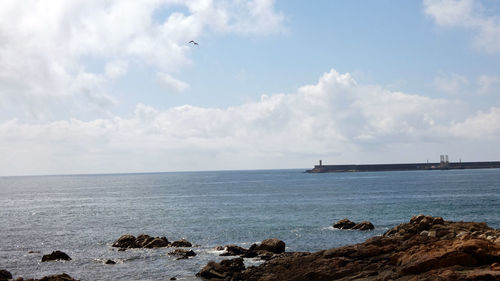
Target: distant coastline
x=402, y=167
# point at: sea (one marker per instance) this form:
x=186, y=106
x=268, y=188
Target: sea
x=82, y=215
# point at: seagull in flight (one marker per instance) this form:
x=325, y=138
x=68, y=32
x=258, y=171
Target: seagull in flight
x=192, y=42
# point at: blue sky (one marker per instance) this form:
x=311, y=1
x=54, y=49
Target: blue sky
x=97, y=87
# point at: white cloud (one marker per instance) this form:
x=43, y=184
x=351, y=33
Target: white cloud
x=451, y=84
x=336, y=118
x=45, y=46
x=488, y=84
x=467, y=14
x=171, y=83
x=480, y=126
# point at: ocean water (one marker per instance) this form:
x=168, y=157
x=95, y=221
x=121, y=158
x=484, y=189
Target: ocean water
x=83, y=215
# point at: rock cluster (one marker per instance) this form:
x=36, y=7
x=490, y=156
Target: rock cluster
x=347, y=224
x=265, y=250
x=426, y=248
x=56, y=255
x=128, y=241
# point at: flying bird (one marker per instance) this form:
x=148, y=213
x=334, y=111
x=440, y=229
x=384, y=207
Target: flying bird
x=192, y=42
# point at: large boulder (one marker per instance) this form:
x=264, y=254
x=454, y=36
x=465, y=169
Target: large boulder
x=56, y=255
x=344, y=224
x=272, y=245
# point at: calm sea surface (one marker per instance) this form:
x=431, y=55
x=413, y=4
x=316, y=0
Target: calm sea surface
x=83, y=214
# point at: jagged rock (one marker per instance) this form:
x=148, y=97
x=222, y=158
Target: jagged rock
x=408, y=251
x=364, y=225
x=56, y=255
x=344, y=224
x=234, y=250
x=224, y=269
x=5, y=275
x=181, y=243
x=182, y=254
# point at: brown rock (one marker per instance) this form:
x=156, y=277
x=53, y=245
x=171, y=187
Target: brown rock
x=344, y=224
x=157, y=243
x=234, y=250
x=126, y=241
x=182, y=253
x=364, y=225
x=272, y=245
x=181, y=243
x=56, y=255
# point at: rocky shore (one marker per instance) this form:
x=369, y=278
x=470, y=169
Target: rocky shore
x=425, y=248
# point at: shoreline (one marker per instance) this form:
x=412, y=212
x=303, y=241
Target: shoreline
x=425, y=248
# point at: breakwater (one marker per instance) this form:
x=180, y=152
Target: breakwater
x=403, y=167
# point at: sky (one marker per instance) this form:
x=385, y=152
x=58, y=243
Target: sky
x=93, y=86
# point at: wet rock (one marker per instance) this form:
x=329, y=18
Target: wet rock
x=5, y=275
x=364, y=225
x=233, y=250
x=110, y=262
x=128, y=241
x=182, y=253
x=181, y=243
x=224, y=269
x=344, y=224
x=56, y=255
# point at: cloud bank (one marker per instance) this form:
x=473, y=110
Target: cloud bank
x=335, y=119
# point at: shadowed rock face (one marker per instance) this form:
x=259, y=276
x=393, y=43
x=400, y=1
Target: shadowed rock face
x=426, y=248
x=5, y=275
x=56, y=255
